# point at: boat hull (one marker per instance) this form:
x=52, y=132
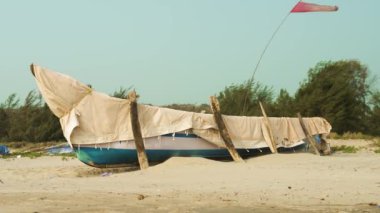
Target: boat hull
x=159, y=149
x=119, y=157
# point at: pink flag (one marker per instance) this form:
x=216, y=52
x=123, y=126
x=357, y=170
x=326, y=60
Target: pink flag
x=303, y=7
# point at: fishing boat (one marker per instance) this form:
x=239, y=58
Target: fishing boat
x=163, y=147
x=98, y=127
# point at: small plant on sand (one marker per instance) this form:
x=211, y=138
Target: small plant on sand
x=67, y=156
x=345, y=149
x=32, y=155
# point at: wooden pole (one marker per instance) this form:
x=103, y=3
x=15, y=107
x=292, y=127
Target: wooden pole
x=223, y=130
x=267, y=124
x=136, y=128
x=310, y=139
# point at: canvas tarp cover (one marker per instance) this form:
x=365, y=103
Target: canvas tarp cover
x=90, y=117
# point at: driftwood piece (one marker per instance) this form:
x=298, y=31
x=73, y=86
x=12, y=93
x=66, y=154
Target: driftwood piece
x=223, y=130
x=267, y=124
x=310, y=139
x=136, y=128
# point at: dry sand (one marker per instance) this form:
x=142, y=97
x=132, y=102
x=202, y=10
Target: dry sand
x=271, y=183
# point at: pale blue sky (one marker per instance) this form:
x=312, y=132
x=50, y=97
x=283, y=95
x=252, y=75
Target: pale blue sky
x=179, y=51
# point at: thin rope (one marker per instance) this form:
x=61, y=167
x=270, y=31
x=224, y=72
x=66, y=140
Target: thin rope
x=250, y=81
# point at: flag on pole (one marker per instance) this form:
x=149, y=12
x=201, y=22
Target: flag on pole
x=304, y=7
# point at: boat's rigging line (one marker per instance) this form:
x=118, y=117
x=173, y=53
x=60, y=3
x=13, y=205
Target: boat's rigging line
x=251, y=80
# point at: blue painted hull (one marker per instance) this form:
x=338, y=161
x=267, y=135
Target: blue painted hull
x=120, y=157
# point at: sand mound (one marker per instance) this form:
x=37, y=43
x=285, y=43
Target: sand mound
x=176, y=162
x=299, y=182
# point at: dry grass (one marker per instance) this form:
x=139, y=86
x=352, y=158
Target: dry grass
x=93, y=172
x=350, y=135
x=345, y=149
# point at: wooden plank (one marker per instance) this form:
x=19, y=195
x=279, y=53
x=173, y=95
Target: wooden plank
x=267, y=124
x=136, y=129
x=310, y=139
x=223, y=130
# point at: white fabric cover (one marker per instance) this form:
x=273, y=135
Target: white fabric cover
x=90, y=117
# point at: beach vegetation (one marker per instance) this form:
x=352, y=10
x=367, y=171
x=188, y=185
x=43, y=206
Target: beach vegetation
x=202, y=108
x=121, y=93
x=284, y=105
x=31, y=155
x=31, y=121
x=243, y=99
x=337, y=91
x=345, y=149
x=351, y=135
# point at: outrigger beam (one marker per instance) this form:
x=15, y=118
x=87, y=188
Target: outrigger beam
x=136, y=129
x=310, y=139
x=270, y=131
x=223, y=130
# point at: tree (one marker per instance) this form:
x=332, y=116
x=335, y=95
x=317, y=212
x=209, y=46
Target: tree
x=33, y=121
x=121, y=93
x=374, y=118
x=4, y=124
x=190, y=107
x=243, y=99
x=11, y=102
x=284, y=105
x=336, y=91
x=44, y=126
x=6, y=111
x=20, y=128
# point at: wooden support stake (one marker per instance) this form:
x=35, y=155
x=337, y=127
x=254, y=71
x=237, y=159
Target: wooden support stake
x=310, y=139
x=223, y=130
x=140, y=149
x=267, y=124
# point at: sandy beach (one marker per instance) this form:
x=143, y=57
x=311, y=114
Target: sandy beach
x=295, y=182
